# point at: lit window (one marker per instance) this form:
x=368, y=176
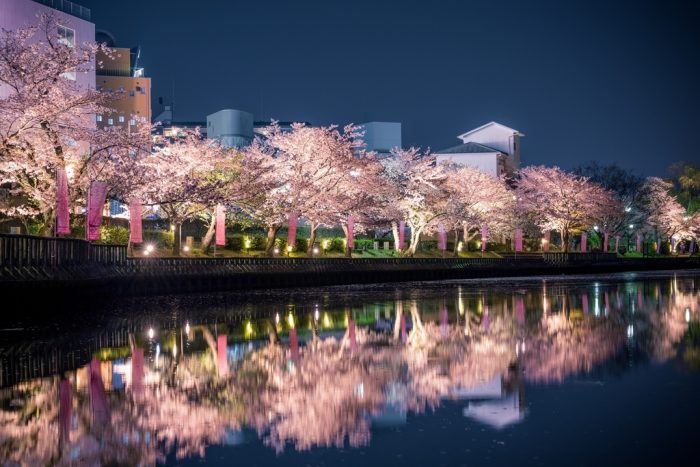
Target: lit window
x=132, y=122
x=66, y=36
x=121, y=119
x=131, y=93
x=110, y=121
x=99, y=118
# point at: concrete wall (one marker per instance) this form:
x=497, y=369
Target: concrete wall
x=487, y=162
x=233, y=128
x=382, y=136
x=15, y=14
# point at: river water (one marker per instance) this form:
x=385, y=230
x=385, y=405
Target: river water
x=600, y=370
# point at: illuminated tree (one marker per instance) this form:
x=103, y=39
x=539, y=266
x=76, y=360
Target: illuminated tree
x=663, y=215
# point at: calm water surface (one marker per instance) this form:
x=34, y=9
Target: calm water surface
x=578, y=371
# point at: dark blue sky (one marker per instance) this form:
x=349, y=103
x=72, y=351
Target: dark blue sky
x=614, y=81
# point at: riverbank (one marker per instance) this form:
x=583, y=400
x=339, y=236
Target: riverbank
x=138, y=277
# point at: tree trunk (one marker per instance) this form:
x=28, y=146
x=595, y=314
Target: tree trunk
x=271, y=235
x=49, y=227
x=348, y=250
x=313, y=226
x=272, y=332
x=209, y=236
x=565, y=240
x=415, y=239
x=176, y=239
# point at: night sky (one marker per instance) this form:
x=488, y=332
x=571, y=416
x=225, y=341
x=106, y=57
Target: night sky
x=584, y=80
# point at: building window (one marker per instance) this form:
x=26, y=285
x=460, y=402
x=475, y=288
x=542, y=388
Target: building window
x=132, y=122
x=99, y=118
x=110, y=121
x=66, y=36
x=131, y=93
x=140, y=90
x=121, y=119
x=121, y=89
x=99, y=87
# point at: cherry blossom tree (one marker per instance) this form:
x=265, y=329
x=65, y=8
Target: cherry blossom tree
x=663, y=215
x=419, y=195
x=561, y=201
x=47, y=123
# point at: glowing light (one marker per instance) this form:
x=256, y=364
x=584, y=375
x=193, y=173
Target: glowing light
x=187, y=328
x=175, y=351
x=595, y=227
x=276, y=250
x=246, y=242
x=146, y=253
x=687, y=315
x=325, y=244
x=628, y=209
x=326, y=320
x=277, y=318
x=316, y=314
x=290, y=248
x=631, y=226
x=290, y=320
x=172, y=227
x=460, y=246
x=248, y=329
x=151, y=333
x=70, y=171
x=185, y=248
x=630, y=331
x=315, y=250
x=149, y=248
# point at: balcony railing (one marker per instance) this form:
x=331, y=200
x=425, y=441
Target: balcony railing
x=68, y=7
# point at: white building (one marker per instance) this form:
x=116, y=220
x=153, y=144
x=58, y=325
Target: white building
x=492, y=148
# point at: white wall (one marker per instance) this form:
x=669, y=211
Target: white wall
x=493, y=136
x=487, y=162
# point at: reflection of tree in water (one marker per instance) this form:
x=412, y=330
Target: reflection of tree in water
x=330, y=394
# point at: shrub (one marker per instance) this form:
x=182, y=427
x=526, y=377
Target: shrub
x=114, y=235
x=160, y=238
x=364, y=243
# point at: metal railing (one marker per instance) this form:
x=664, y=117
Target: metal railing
x=68, y=7
x=29, y=250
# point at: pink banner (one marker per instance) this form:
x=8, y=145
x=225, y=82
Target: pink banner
x=639, y=243
x=605, y=242
x=98, y=397
x=404, y=335
x=294, y=344
x=96, y=203
x=443, y=321
x=545, y=244
x=584, y=242
x=584, y=303
x=486, y=321
x=222, y=354
x=520, y=309
x=292, y=229
x=518, y=240
x=65, y=408
x=484, y=236
x=442, y=238
x=220, y=225
x=135, y=230
x=137, y=373
x=402, y=235
x=351, y=228
x=352, y=335
x=62, y=209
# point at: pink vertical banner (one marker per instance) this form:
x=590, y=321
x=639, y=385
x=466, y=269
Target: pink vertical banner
x=442, y=238
x=639, y=243
x=352, y=336
x=294, y=344
x=484, y=236
x=137, y=374
x=220, y=225
x=96, y=203
x=98, y=397
x=545, y=244
x=222, y=354
x=292, y=229
x=486, y=320
x=518, y=240
x=617, y=243
x=135, y=213
x=520, y=309
x=584, y=303
x=404, y=335
x=351, y=228
x=545, y=305
x=65, y=409
x=62, y=209
x=605, y=242
x=402, y=235
x=443, y=321
x=584, y=242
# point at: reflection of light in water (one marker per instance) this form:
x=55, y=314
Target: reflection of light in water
x=174, y=350
x=187, y=328
x=630, y=331
x=360, y=390
x=277, y=318
x=687, y=315
x=326, y=320
x=596, y=298
x=151, y=333
x=460, y=301
x=497, y=413
x=316, y=314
